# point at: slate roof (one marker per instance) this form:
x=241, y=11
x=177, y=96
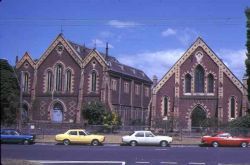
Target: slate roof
x=113, y=64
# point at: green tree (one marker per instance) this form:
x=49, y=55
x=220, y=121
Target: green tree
x=243, y=122
x=9, y=93
x=247, y=62
x=94, y=112
x=98, y=114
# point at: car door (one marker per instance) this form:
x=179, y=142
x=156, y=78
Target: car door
x=74, y=137
x=223, y=139
x=84, y=138
x=150, y=138
x=139, y=137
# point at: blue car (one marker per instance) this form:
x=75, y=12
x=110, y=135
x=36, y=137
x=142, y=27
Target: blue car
x=14, y=136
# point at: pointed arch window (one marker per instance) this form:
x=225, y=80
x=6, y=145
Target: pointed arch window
x=59, y=77
x=26, y=83
x=49, y=81
x=165, y=105
x=199, y=79
x=93, y=86
x=210, y=82
x=232, y=107
x=68, y=80
x=188, y=79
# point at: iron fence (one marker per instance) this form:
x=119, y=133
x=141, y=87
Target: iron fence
x=56, y=128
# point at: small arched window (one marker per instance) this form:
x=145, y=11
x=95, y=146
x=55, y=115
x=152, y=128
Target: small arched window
x=68, y=80
x=26, y=83
x=165, y=105
x=210, y=82
x=199, y=79
x=232, y=107
x=49, y=81
x=188, y=79
x=93, y=85
x=59, y=77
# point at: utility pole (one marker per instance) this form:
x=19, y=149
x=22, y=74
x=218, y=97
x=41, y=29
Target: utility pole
x=21, y=103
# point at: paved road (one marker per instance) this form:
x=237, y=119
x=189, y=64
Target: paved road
x=126, y=155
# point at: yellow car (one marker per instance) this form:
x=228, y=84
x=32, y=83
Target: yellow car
x=79, y=136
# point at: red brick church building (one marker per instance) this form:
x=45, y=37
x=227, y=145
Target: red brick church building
x=69, y=75
x=199, y=84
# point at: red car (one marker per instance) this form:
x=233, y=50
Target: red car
x=225, y=139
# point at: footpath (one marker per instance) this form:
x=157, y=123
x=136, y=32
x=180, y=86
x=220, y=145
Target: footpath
x=117, y=139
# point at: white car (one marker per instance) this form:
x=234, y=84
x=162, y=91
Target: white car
x=146, y=138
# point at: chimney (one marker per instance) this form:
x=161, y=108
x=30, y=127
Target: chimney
x=107, y=48
x=155, y=80
x=16, y=59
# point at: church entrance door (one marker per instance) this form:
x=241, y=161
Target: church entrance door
x=197, y=117
x=57, y=115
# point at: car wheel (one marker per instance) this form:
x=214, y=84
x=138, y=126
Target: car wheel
x=163, y=144
x=243, y=144
x=26, y=142
x=66, y=142
x=215, y=144
x=95, y=143
x=133, y=143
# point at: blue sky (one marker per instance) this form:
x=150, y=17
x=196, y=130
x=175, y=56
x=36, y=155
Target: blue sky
x=147, y=34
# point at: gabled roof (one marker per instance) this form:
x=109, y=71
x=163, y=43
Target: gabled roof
x=67, y=46
x=199, y=43
x=26, y=57
x=113, y=64
x=82, y=55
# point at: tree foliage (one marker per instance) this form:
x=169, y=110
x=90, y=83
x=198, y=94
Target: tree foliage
x=97, y=114
x=242, y=122
x=9, y=93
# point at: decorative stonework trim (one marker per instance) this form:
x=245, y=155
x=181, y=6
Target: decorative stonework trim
x=72, y=78
x=235, y=107
x=94, y=54
x=29, y=81
x=45, y=79
x=25, y=57
x=63, y=75
x=162, y=106
x=67, y=46
x=51, y=105
x=194, y=105
x=198, y=43
x=90, y=81
x=214, y=87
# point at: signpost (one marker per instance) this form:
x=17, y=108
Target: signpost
x=165, y=119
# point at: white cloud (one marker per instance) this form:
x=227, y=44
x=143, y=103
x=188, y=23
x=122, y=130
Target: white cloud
x=168, y=32
x=235, y=60
x=160, y=62
x=101, y=44
x=153, y=63
x=106, y=34
x=185, y=36
x=122, y=24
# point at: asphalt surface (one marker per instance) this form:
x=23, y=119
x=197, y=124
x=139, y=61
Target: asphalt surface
x=126, y=155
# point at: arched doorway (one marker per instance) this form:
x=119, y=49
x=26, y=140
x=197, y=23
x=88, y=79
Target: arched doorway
x=198, y=116
x=57, y=113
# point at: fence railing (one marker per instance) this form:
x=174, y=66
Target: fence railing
x=56, y=128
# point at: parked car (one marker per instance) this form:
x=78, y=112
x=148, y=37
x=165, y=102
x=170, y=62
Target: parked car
x=225, y=139
x=79, y=136
x=14, y=136
x=146, y=138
